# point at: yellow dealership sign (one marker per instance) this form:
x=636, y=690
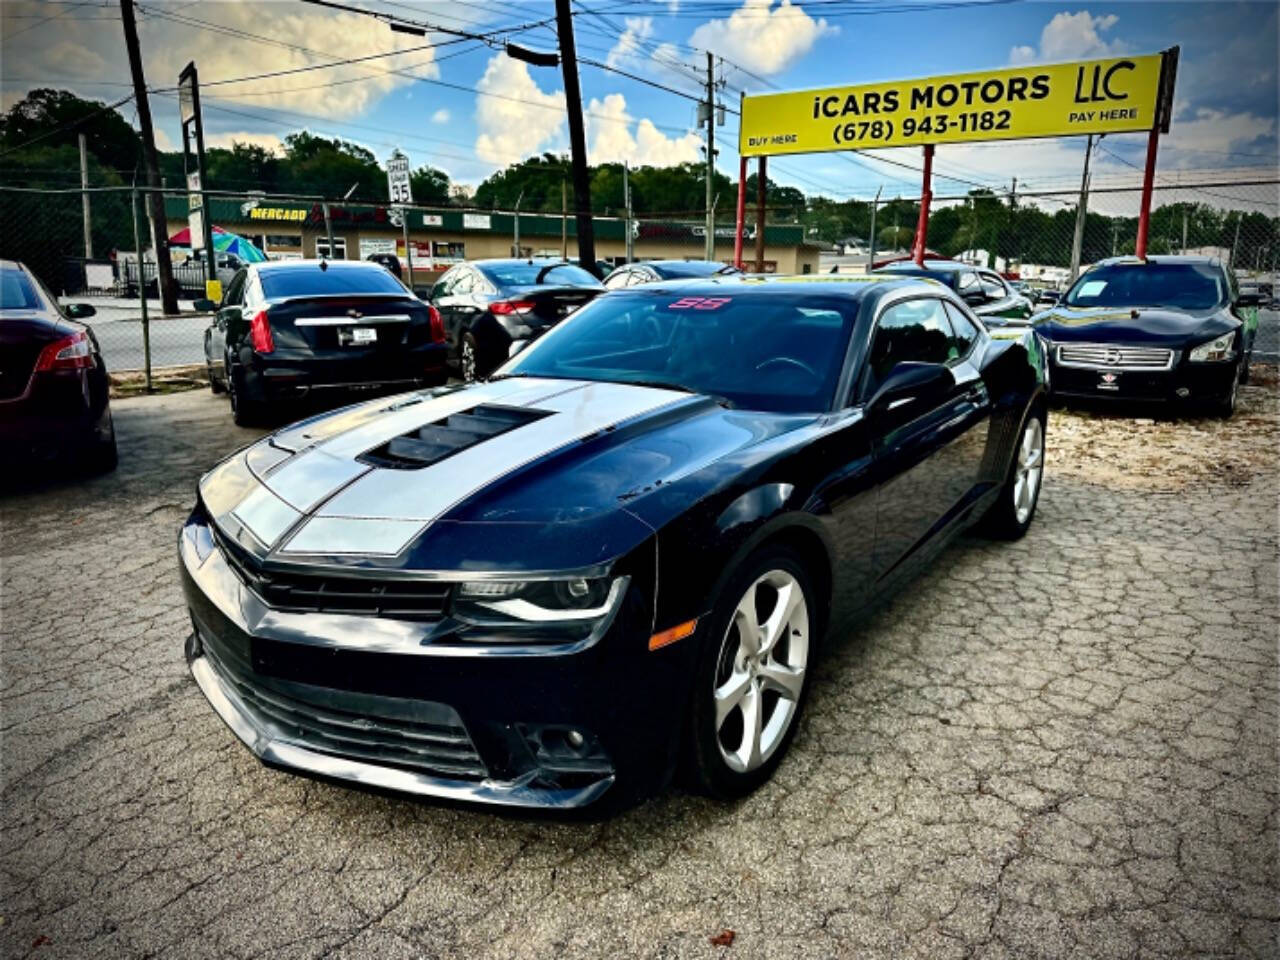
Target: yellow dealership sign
x=1116, y=95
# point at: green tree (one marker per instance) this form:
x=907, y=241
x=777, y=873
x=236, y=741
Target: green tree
x=58, y=117
x=429, y=185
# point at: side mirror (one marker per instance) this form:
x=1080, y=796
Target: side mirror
x=78, y=311
x=205, y=306
x=909, y=382
x=975, y=298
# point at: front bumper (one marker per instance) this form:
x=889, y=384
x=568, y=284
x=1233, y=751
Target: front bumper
x=1184, y=382
x=385, y=704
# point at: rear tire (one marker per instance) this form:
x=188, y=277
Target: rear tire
x=751, y=679
x=104, y=456
x=247, y=408
x=214, y=385
x=1010, y=516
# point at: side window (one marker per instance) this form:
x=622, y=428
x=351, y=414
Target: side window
x=234, y=295
x=639, y=277
x=463, y=283
x=916, y=331
x=993, y=287
x=964, y=334
x=444, y=286
x=967, y=283
x=618, y=279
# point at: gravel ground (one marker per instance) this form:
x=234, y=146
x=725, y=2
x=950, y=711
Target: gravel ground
x=1061, y=747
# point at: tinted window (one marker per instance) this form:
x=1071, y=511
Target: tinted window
x=526, y=274
x=993, y=287
x=619, y=279
x=17, y=292
x=760, y=351
x=1185, y=286
x=671, y=269
x=235, y=290
x=312, y=281
x=917, y=331
x=963, y=331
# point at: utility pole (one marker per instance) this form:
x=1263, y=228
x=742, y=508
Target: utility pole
x=577, y=139
x=1013, y=218
x=155, y=200
x=1115, y=232
x=515, y=247
x=1231, y=261
x=1077, y=242
x=564, y=224
x=626, y=200
x=1184, y=231
x=84, y=200
x=871, y=247
x=711, y=156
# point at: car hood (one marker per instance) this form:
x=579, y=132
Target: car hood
x=1137, y=325
x=554, y=488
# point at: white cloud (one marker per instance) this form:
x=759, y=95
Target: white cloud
x=521, y=125
x=762, y=37
x=441, y=116
x=74, y=50
x=1071, y=36
x=1216, y=131
x=268, y=141
x=638, y=29
x=611, y=140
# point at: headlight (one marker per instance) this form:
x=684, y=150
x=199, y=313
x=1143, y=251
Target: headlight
x=524, y=609
x=1219, y=348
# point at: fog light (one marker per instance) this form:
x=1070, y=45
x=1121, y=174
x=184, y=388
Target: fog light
x=1183, y=392
x=575, y=739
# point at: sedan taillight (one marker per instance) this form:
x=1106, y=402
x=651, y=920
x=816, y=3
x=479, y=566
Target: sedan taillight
x=260, y=333
x=437, y=324
x=73, y=352
x=504, y=307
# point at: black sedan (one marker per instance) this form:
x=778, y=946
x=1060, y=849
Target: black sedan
x=651, y=271
x=621, y=550
x=494, y=308
x=53, y=384
x=987, y=293
x=290, y=329
x=1167, y=329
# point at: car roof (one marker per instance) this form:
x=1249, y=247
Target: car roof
x=1130, y=260
x=853, y=287
x=512, y=261
x=937, y=266
x=689, y=268
x=283, y=266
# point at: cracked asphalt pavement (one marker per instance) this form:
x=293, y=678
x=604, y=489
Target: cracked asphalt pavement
x=1062, y=747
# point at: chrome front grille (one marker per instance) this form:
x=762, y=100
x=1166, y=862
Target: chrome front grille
x=412, y=734
x=1106, y=356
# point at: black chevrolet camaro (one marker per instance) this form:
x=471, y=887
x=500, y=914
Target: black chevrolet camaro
x=1169, y=329
x=618, y=554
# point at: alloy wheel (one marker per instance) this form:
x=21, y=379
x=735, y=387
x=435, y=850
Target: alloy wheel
x=468, y=360
x=1027, y=472
x=760, y=670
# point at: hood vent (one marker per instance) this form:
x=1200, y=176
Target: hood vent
x=457, y=432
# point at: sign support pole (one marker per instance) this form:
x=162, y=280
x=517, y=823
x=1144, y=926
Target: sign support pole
x=742, y=212
x=1148, y=181
x=926, y=197
x=762, y=181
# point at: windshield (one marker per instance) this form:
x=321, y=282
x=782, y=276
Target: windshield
x=17, y=292
x=311, y=281
x=758, y=351
x=1185, y=286
x=526, y=274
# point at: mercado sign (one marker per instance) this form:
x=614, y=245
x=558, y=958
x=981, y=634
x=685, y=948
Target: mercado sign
x=1115, y=95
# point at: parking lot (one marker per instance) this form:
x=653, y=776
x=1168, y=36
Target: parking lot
x=1060, y=747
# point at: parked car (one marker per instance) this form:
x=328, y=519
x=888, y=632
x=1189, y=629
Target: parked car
x=985, y=291
x=1168, y=329
x=651, y=271
x=1048, y=298
x=287, y=329
x=494, y=308
x=390, y=261
x=621, y=550
x=53, y=384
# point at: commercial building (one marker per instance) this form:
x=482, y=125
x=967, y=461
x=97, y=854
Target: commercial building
x=441, y=238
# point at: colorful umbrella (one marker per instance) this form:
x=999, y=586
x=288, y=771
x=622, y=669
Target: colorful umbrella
x=223, y=242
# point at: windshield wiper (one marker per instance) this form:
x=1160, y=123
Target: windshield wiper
x=671, y=385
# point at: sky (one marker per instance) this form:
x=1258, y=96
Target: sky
x=466, y=107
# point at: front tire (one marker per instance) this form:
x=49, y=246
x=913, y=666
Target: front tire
x=1010, y=516
x=752, y=674
x=1225, y=407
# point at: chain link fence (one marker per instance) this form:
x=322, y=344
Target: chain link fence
x=1028, y=235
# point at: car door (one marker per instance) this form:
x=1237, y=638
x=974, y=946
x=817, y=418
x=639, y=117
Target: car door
x=444, y=299
x=226, y=321
x=927, y=451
